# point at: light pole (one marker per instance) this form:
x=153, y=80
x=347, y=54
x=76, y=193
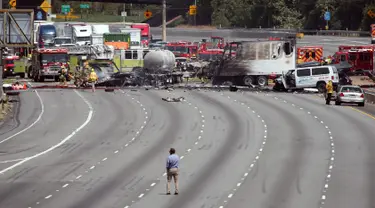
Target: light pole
x=164, y=21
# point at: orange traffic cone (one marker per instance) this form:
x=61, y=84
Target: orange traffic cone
x=24, y=86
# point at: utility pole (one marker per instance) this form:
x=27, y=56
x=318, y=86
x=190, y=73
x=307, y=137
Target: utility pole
x=49, y=11
x=164, y=24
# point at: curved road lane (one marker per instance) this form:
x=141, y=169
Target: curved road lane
x=352, y=183
x=209, y=172
x=292, y=169
x=138, y=164
x=37, y=141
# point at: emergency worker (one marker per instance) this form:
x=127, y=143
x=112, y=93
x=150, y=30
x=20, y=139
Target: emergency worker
x=63, y=75
x=329, y=88
x=92, y=79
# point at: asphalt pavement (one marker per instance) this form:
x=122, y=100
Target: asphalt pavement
x=108, y=149
x=75, y=148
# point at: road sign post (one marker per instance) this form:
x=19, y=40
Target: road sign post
x=83, y=7
x=327, y=17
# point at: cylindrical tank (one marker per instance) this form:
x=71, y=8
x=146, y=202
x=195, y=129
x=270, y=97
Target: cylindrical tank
x=163, y=60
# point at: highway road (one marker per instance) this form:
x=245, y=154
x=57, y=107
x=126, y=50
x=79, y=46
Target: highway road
x=81, y=149
x=74, y=149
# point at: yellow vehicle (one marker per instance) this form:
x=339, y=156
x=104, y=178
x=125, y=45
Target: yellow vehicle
x=126, y=60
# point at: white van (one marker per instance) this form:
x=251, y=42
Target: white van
x=308, y=77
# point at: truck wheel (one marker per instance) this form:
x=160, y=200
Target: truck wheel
x=41, y=79
x=262, y=81
x=22, y=75
x=321, y=86
x=248, y=80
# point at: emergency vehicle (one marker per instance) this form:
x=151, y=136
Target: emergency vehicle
x=360, y=57
x=182, y=49
x=47, y=63
x=309, y=54
x=8, y=66
x=218, y=42
x=372, y=33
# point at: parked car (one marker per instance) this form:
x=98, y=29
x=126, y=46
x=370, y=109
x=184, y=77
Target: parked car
x=350, y=94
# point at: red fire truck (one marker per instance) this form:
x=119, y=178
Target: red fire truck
x=183, y=49
x=360, y=57
x=47, y=63
x=8, y=66
x=145, y=33
x=372, y=27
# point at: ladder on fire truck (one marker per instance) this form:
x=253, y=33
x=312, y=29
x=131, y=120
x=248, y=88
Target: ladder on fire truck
x=99, y=51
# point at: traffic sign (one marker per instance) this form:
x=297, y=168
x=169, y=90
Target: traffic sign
x=370, y=13
x=65, y=8
x=39, y=15
x=84, y=6
x=13, y=4
x=327, y=16
x=147, y=14
x=193, y=10
x=45, y=6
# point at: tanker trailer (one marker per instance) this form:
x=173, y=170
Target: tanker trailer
x=159, y=67
x=159, y=61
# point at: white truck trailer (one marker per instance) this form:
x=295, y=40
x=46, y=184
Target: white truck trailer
x=135, y=37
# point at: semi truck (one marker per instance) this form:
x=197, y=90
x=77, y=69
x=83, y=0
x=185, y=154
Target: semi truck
x=135, y=37
x=254, y=63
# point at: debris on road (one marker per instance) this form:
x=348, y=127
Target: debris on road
x=169, y=99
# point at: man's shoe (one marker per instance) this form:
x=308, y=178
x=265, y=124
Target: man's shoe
x=176, y=193
x=168, y=193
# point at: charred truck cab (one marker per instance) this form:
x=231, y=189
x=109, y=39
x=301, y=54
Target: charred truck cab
x=47, y=63
x=255, y=62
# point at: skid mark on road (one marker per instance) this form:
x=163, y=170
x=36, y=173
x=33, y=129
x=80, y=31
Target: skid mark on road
x=92, y=167
x=157, y=180
x=332, y=149
x=255, y=160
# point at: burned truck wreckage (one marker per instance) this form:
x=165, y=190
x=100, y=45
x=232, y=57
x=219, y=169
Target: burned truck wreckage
x=158, y=70
x=243, y=63
x=253, y=63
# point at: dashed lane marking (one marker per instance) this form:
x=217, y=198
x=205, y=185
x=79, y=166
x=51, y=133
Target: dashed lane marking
x=88, y=119
x=256, y=159
x=116, y=151
x=153, y=184
x=330, y=164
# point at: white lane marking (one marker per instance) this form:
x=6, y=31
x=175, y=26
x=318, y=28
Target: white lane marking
x=104, y=159
x=330, y=163
x=260, y=151
x=88, y=119
x=92, y=167
x=9, y=161
x=78, y=177
x=64, y=186
x=32, y=124
x=182, y=156
x=49, y=196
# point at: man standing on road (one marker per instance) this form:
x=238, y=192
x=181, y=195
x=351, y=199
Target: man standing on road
x=329, y=88
x=172, y=170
